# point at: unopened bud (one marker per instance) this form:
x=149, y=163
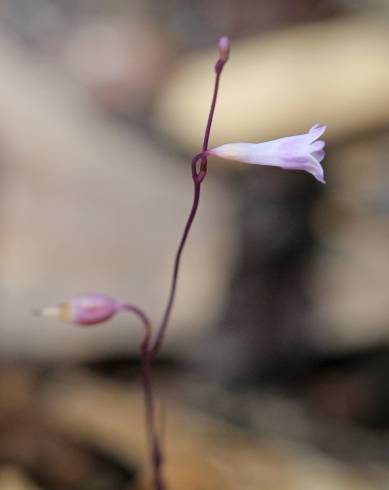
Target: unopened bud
x=224, y=48
x=86, y=309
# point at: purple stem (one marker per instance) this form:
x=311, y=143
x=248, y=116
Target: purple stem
x=198, y=176
x=148, y=393
x=149, y=348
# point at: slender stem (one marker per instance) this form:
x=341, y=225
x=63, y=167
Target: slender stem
x=165, y=319
x=198, y=176
x=154, y=443
x=150, y=348
x=148, y=394
x=218, y=70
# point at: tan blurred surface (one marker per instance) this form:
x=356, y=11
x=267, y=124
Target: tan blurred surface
x=76, y=430
x=202, y=452
x=13, y=479
x=282, y=83
x=90, y=201
x=88, y=206
x=352, y=269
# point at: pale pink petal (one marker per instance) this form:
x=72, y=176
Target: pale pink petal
x=317, y=145
x=316, y=131
x=91, y=308
x=318, y=155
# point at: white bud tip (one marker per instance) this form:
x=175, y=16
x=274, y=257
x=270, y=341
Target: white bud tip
x=53, y=311
x=224, y=48
x=61, y=312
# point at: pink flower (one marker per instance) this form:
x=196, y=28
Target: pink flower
x=86, y=309
x=301, y=152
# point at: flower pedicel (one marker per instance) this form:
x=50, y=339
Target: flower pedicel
x=86, y=309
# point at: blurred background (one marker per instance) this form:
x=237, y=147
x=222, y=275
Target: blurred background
x=275, y=370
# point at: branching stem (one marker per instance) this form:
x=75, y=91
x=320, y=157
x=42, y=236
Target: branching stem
x=151, y=345
x=149, y=399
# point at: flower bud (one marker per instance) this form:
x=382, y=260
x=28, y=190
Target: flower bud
x=86, y=309
x=224, y=48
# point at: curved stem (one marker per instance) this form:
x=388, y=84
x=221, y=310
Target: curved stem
x=218, y=69
x=197, y=176
x=148, y=393
x=165, y=319
x=149, y=348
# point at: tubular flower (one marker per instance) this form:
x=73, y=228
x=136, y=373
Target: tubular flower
x=86, y=309
x=300, y=152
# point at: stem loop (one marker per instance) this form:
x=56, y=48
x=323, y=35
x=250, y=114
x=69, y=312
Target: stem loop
x=151, y=346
